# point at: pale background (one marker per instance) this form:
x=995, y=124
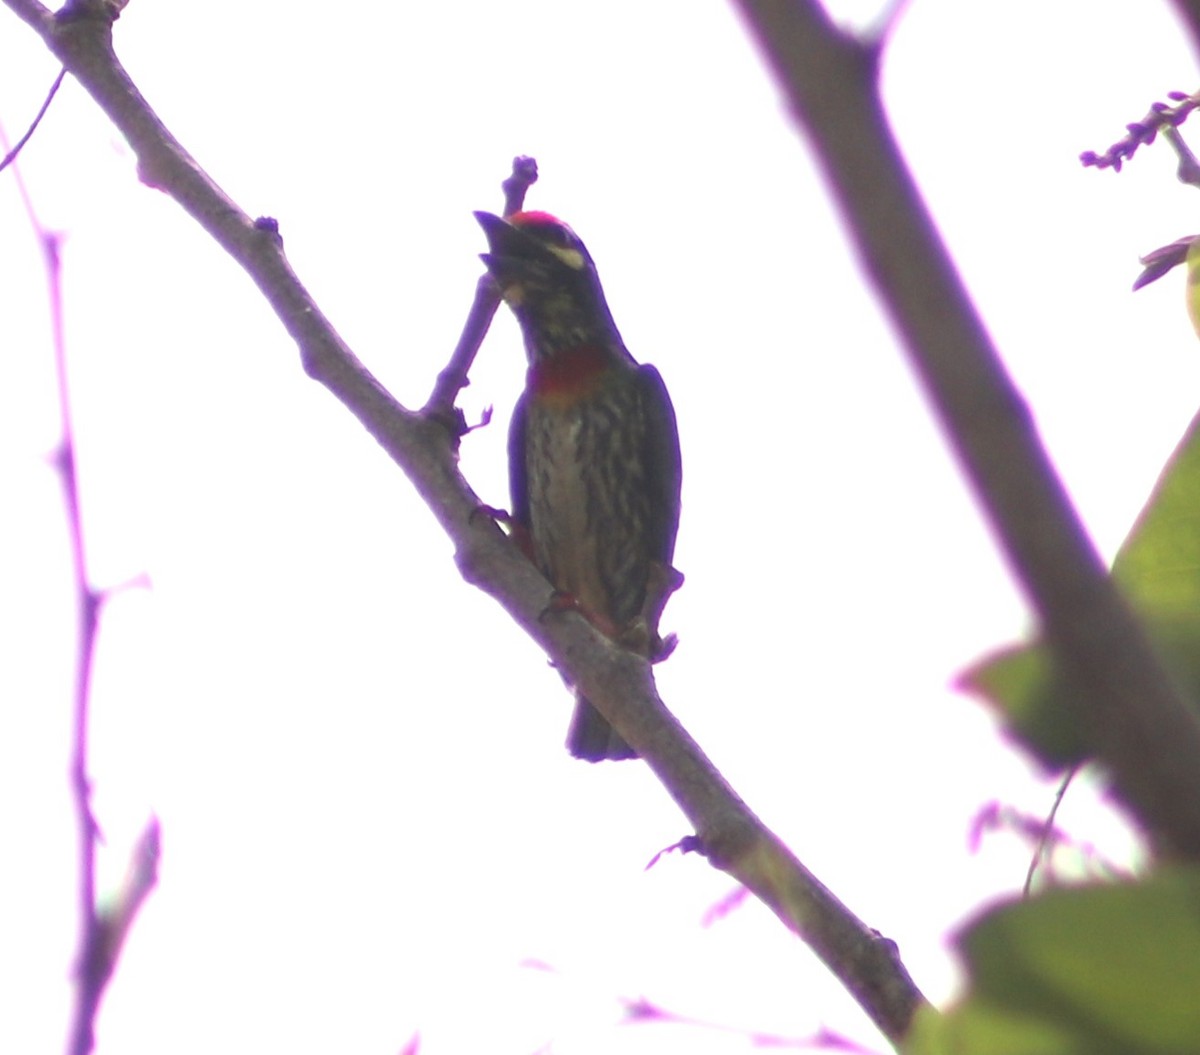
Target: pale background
x=370, y=826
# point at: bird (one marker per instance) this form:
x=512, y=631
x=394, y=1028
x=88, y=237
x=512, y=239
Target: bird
x=593, y=452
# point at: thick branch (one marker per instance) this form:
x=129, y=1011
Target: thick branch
x=1189, y=12
x=1133, y=713
x=618, y=682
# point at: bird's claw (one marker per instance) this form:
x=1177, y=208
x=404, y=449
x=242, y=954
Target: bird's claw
x=517, y=531
x=501, y=516
x=664, y=646
x=636, y=635
x=565, y=601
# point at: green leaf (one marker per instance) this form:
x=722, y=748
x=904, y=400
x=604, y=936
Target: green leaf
x=1193, y=283
x=1159, y=564
x=978, y=1028
x=1158, y=569
x=1098, y=969
x=1022, y=681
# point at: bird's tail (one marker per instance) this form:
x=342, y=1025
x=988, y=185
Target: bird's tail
x=592, y=738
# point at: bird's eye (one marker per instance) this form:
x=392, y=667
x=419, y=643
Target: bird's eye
x=557, y=234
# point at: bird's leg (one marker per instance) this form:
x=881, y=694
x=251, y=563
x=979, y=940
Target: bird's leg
x=663, y=581
x=640, y=634
x=565, y=601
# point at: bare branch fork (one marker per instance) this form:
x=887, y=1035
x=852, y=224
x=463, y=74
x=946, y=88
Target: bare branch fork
x=1133, y=714
x=617, y=681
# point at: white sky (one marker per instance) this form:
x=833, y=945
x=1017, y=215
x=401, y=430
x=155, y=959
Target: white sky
x=370, y=825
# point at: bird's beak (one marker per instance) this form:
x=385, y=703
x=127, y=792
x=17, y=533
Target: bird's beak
x=516, y=257
x=509, y=244
x=496, y=228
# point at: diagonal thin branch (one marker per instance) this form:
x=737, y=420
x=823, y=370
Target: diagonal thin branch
x=11, y=156
x=1132, y=712
x=618, y=682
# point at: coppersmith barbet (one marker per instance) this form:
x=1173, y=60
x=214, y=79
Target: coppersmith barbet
x=593, y=450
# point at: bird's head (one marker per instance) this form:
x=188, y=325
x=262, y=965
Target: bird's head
x=547, y=277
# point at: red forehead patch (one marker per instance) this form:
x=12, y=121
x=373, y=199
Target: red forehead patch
x=534, y=218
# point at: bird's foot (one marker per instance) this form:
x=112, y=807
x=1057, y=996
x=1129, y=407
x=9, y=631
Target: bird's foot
x=642, y=631
x=663, y=647
x=564, y=601
x=662, y=581
x=638, y=636
x=501, y=516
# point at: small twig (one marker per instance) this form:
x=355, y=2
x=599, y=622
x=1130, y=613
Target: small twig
x=101, y=934
x=717, y=911
x=114, y=921
x=89, y=982
x=523, y=176
x=1162, y=116
x=1189, y=168
x=689, y=844
x=454, y=377
x=11, y=156
x=640, y=1010
x=883, y=24
x=1041, y=835
x=1048, y=832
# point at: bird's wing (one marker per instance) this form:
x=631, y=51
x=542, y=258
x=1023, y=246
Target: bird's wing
x=664, y=472
x=518, y=479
